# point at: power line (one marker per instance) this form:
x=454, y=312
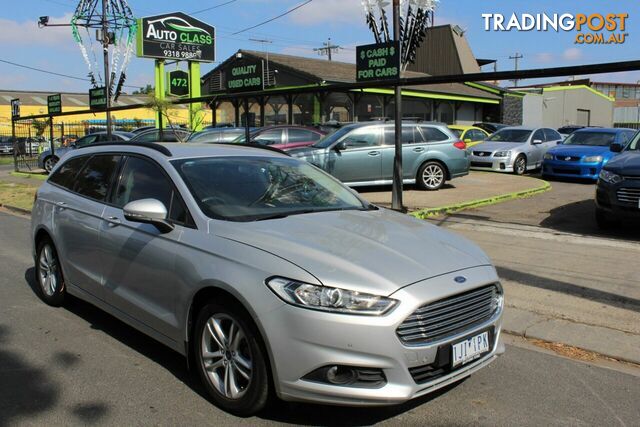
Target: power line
x=53, y=73
x=213, y=7
x=274, y=18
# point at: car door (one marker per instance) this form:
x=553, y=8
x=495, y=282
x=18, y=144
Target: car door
x=139, y=275
x=78, y=217
x=413, y=147
x=361, y=161
x=536, y=149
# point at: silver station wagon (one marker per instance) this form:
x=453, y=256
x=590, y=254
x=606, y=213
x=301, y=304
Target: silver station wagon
x=268, y=274
x=363, y=154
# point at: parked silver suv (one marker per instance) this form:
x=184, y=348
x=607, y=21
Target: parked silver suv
x=267, y=273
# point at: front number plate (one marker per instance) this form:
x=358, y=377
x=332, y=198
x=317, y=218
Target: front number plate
x=470, y=349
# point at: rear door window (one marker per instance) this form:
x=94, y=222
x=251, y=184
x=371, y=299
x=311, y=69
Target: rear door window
x=432, y=134
x=300, y=135
x=65, y=175
x=270, y=137
x=96, y=176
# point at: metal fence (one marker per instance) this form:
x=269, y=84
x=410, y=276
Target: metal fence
x=627, y=125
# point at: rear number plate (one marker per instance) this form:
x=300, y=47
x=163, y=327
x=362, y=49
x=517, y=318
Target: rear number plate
x=470, y=349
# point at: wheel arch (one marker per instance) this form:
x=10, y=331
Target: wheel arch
x=221, y=292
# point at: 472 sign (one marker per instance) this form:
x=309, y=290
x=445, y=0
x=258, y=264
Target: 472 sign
x=378, y=62
x=178, y=83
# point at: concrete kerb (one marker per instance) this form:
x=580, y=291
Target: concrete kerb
x=443, y=210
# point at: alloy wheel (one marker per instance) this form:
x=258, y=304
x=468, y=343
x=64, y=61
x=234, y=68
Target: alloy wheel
x=521, y=165
x=49, y=164
x=433, y=176
x=48, y=271
x=226, y=356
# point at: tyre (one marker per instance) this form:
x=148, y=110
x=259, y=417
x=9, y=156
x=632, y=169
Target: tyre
x=603, y=220
x=49, y=274
x=49, y=163
x=520, y=165
x=431, y=176
x=231, y=360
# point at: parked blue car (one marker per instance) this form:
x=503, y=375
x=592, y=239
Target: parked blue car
x=584, y=153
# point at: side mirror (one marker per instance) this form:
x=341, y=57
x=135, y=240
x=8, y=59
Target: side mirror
x=537, y=141
x=468, y=140
x=340, y=146
x=148, y=211
x=616, y=148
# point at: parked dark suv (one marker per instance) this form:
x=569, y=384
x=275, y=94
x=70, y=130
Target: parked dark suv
x=618, y=193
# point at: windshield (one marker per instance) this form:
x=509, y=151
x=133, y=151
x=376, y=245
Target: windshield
x=510, y=135
x=635, y=144
x=254, y=189
x=591, y=139
x=328, y=140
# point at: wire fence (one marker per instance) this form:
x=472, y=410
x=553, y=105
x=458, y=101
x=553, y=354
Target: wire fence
x=627, y=125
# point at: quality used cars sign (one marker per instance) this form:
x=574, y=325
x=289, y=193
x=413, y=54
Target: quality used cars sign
x=176, y=36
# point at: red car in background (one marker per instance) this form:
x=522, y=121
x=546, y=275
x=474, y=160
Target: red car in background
x=284, y=137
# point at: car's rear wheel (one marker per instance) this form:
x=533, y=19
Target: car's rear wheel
x=431, y=176
x=49, y=274
x=231, y=360
x=49, y=163
x=520, y=165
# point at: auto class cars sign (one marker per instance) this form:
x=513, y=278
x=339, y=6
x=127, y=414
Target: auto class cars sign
x=176, y=36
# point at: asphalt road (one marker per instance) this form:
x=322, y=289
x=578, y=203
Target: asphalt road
x=77, y=366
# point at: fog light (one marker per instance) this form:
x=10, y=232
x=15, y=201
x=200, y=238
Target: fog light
x=340, y=375
x=503, y=166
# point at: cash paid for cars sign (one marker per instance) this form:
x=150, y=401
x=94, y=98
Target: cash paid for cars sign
x=379, y=61
x=176, y=36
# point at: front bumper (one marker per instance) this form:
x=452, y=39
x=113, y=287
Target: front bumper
x=302, y=340
x=495, y=164
x=608, y=201
x=571, y=169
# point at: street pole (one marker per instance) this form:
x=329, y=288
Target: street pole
x=107, y=77
x=247, y=131
x=396, y=197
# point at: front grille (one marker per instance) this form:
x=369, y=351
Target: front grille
x=566, y=171
x=629, y=195
x=481, y=165
x=568, y=158
x=449, y=316
x=482, y=153
x=631, y=178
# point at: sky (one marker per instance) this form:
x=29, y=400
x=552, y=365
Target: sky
x=299, y=33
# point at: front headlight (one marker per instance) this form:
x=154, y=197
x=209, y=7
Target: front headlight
x=548, y=156
x=330, y=299
x=502, y=154
x=593, y=159
x=610, y=177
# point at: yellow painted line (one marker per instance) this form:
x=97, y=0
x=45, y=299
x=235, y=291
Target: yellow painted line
x=443, y=210
x=559, y=88
x=429, y=95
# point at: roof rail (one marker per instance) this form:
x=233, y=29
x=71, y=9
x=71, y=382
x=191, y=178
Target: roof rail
x=159, y=148
x=259, y=146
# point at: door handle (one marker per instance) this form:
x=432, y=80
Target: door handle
x=114, y=221
x=374, y=153
x=61, y=204
x=418, y=149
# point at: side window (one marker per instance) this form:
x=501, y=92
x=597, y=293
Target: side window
x=94, y=179
x=143, y=179
x=300, y=135
x=316, y=136
x=269, y=137
x=432, y=134
x=363, y=137
x=65, y=174
x=551, y=135
x=152, y=136
x=89, y=139
x=477, y=135
x=538, y=136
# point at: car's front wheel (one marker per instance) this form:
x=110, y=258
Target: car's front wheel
x=520, y=165
x=231, y=360
x=50, y=163
x=49, y=274
x=431, y=176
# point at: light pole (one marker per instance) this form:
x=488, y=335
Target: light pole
x=396, y=192
x=105, y=52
